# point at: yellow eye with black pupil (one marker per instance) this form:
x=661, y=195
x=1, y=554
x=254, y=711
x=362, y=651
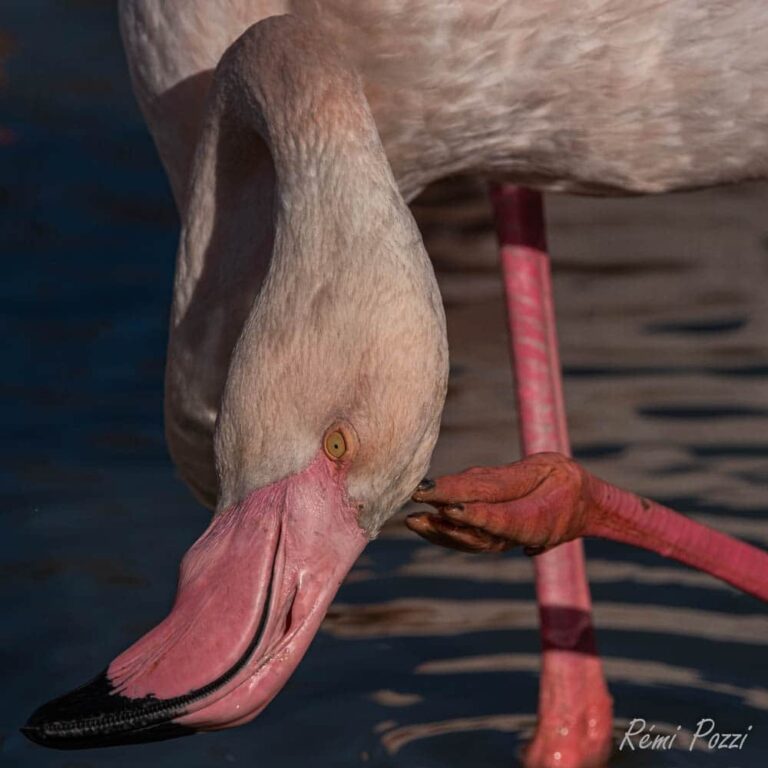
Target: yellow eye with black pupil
x=335, y=445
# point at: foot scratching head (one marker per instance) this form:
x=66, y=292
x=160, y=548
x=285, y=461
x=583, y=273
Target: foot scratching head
x=536, y=504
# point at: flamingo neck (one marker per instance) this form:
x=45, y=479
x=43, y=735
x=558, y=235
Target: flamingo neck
x=301, y=276
x=281, y=84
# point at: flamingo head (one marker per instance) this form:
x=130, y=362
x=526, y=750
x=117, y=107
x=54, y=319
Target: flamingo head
x=327, y=422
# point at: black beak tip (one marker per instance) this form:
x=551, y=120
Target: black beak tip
x=93, y=715
x=34, y=734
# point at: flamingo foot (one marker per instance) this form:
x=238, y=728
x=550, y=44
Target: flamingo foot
x=547, y=500
x=536, y=503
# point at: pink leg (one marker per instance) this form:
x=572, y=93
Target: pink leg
x=622, y=516
x=547, y=499
x=575, y=709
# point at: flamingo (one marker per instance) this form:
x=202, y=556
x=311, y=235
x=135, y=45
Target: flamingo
x=307, y=357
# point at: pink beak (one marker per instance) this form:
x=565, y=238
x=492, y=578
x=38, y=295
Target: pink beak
x=253, y=591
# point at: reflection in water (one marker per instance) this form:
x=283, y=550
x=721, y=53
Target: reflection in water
x=426, y=617
x=646, y=673
x=389, y=698
x=516, y=570
x=394, y=740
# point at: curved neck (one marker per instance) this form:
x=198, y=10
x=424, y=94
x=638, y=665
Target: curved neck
x=284, y=82
x=290, y=190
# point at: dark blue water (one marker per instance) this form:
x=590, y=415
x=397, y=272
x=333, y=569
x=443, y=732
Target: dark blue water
x=94, y=520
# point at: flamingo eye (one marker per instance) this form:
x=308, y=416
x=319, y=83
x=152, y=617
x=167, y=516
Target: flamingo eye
x=335, y=445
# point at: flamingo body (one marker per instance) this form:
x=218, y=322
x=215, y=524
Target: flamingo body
x=307, y=358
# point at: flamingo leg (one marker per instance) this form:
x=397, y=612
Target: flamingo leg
x=575, y=709
x=547, y=499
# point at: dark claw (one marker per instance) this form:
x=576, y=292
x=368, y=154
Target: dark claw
x=426, y=484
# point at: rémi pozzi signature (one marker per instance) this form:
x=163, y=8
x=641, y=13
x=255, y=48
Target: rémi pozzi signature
x=641, y=736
